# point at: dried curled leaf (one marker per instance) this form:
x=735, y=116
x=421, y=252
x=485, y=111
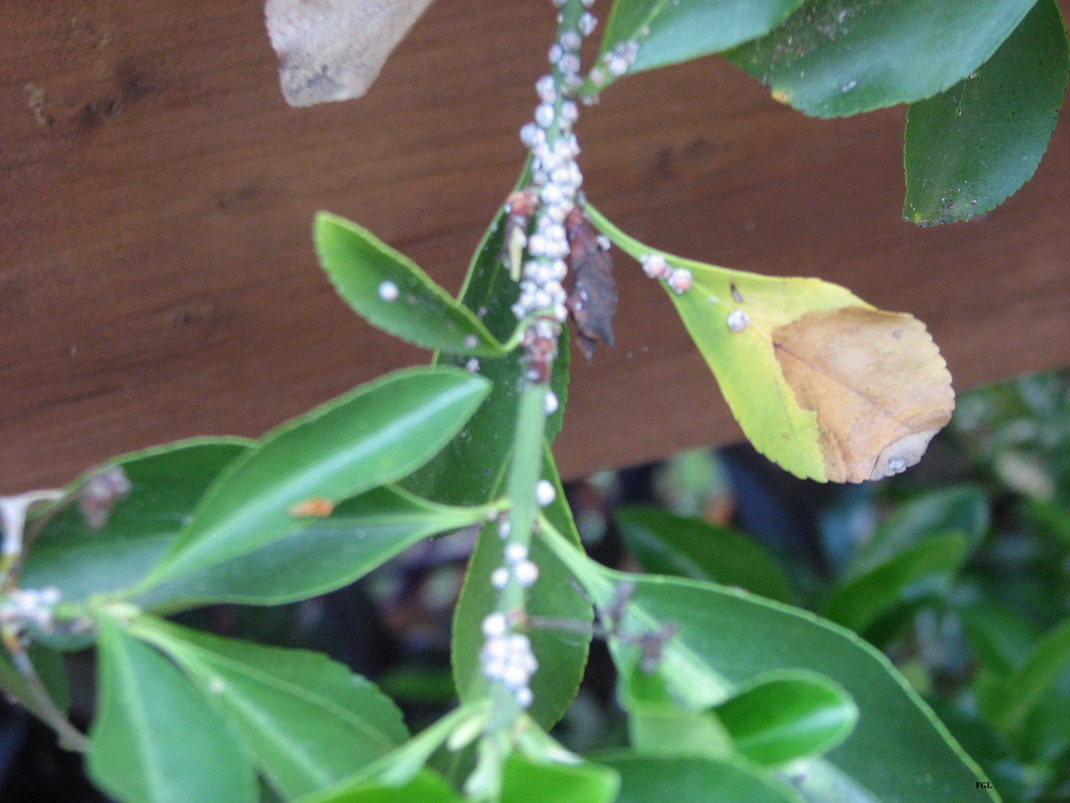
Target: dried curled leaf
x=333, y=49
x=592, y=300
x=822, y=383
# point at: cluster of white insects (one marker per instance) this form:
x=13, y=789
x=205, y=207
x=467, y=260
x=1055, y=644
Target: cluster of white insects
x=507, y=658
x=29, y=606
x=655, y=266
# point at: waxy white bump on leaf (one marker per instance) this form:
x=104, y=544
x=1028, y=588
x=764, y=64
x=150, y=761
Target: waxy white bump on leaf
x=680, y=280
x=544, y=493
x=388, y=291
x=737, y=320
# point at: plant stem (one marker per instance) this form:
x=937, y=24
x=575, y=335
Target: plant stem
x=629, y=245
x=525, y=467
x=41, y=700
x=506, y=656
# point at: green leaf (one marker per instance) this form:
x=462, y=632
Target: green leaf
x=920, y=570
x=656, y=779
x=724, y=639
x=667, y=730
x=1044, y=734
x=663, y=543
x=166, y=484
x=562, y=654
x=959, y=510
x=48, y=664
x=425, y=787
x=391, y=292
x=52, y=671
x=155, y=739
x=1016, y=695
x=371, y=436
x=973, y=145
x=787, y=715
x=361, y=534
x=1001, y=639
x=739, y=637
x=657, y=726
x=307, y=720
x=834, y=58
x=823, y=384
x=673, y=31
x=528, y=781
x=468, y=470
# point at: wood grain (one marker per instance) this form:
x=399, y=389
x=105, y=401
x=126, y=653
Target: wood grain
x=157, y=279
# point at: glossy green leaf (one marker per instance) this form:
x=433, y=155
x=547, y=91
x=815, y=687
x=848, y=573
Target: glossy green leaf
x=833, y=58
x=155, y=739
x=741, y=636
x=372, y=435
x=667, y=730
x=469, y=469
x=656, y=779
x=1017, y=694
x=920, y=570
x=425, y=787
x=307, y=721
x=823, y=384
x=788, y=715
x=166, y=484
x=391, y=292
x=526, y=781
x=959, y=510
x=561, y=653
x=362, y=533
x=663, y=543
x=973, y=145
x=657, y=725
x=988, y=749
x=725, y=638
x=673, y=31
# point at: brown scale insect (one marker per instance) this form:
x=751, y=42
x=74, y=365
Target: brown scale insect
x=519, y=207
x=541, y=353
x=592, y=300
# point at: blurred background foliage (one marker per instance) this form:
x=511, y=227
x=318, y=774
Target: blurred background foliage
x=959, y=570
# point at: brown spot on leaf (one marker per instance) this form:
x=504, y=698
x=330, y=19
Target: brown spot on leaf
x=317, y=507
x=877, y=383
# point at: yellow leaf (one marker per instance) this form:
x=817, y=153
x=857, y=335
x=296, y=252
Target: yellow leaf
x=822, y=383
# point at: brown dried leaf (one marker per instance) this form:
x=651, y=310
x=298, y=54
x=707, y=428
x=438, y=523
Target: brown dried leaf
x=592, y=300
x=333, y=49
x=875, y=380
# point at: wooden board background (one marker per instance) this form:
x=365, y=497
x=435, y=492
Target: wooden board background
x=156, y=273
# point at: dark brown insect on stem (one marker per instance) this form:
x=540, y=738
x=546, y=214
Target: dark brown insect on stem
x=541, y=351
x=592, y=300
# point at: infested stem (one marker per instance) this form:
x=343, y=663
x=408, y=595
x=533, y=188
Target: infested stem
x=506, y=657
